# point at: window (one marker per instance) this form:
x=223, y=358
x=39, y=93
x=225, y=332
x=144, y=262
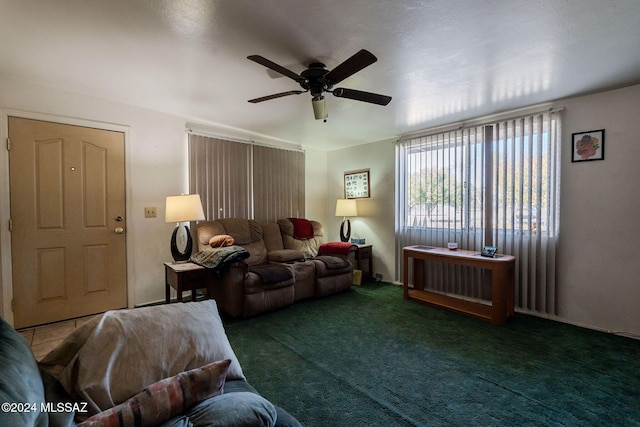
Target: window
x=494, y=184
x=236, y=179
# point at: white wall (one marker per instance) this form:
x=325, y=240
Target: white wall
x=598, y=261
x=599, y=277
x=375, y=220
x=156, y=166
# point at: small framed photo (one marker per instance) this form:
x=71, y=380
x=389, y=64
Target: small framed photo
x=356, y=185
x=587, y=146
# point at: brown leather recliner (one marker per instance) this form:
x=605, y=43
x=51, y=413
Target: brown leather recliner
x=253, y=286
x=280, y=268
x=332, y=275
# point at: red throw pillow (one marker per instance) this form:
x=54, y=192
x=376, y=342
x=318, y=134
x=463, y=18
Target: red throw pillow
x=302, y=228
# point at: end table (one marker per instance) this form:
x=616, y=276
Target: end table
x=365, y=253
x=186, y=276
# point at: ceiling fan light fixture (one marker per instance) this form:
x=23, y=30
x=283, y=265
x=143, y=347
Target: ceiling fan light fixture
x=317, y=80
x=319, y=107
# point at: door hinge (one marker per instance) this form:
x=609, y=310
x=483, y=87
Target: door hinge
x=10, y=224
x=8, y=144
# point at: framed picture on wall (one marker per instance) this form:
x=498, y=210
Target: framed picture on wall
x=587, y=146
x=356, y=184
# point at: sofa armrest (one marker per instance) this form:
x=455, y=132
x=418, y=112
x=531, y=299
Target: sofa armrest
x=228, y=289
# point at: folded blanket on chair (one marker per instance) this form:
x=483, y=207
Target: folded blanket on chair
x=219, y=259
x=335, y=248
x=333, y=262
x=272, y=273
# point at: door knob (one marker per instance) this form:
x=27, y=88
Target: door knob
x=119, y=230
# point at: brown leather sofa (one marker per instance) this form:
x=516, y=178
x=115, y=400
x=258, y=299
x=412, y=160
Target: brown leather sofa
x=280, y=269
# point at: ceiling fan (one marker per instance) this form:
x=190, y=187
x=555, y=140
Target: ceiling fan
x=317, y=80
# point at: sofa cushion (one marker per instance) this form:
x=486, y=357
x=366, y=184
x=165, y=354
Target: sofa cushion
x=309, y=247
x=272, y=273
x=253, y=283
x=20, y=380
x=244, y=231
x=285, y=255
x=166, y=398
x=143, y=345
x=284, y=419
x=205, y=230
x=333, y=262
x=248, y=234
x=272, y=236
x=241, y=409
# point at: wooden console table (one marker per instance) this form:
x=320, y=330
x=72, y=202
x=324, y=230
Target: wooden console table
x=502, y=269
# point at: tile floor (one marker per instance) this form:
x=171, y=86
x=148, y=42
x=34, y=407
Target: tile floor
x=45, y=338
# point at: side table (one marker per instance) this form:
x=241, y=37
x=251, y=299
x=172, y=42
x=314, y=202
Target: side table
x=186, y=276
x=365, y=253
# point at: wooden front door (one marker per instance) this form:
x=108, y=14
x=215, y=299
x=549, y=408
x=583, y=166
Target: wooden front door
x=67, y=219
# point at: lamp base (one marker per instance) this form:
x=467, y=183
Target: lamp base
x=344, y=237
x=179, y=256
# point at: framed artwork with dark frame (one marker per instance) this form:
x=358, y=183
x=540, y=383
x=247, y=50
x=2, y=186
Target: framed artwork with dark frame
x=356, y=185
x=587, y=146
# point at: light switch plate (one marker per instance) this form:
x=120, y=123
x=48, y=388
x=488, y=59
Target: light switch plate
x=150, y=212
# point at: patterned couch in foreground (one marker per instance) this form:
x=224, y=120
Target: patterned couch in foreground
x=168, y=366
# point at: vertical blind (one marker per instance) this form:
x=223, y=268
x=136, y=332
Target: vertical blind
x=278, y=183
x=494, y=184
x=236, y=179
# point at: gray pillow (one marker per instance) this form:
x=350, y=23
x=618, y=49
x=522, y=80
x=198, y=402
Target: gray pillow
x=143, y=345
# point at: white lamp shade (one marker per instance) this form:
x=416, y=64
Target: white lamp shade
x=346, y=207
x=187, y=207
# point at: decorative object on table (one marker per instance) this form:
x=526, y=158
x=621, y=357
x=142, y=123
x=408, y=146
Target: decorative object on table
x=356, y=185
x=346, y=208
x=184, y=208
x=358, y=241
x=587, y=146
x=453, y=246
x=489, y=251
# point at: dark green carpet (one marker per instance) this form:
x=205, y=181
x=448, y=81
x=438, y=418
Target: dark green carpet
x=369, y=358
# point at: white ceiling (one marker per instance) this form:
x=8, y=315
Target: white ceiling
x=442, y=61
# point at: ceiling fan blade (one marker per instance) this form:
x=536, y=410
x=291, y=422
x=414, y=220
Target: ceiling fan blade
x=357, y=62
x=276, y=95
x=359, y=95
x=275, y=67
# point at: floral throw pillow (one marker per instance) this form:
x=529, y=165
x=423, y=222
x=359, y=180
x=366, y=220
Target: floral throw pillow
x=165, y=399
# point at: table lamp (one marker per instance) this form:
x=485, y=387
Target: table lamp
x=346, y=208
x=187, y=207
